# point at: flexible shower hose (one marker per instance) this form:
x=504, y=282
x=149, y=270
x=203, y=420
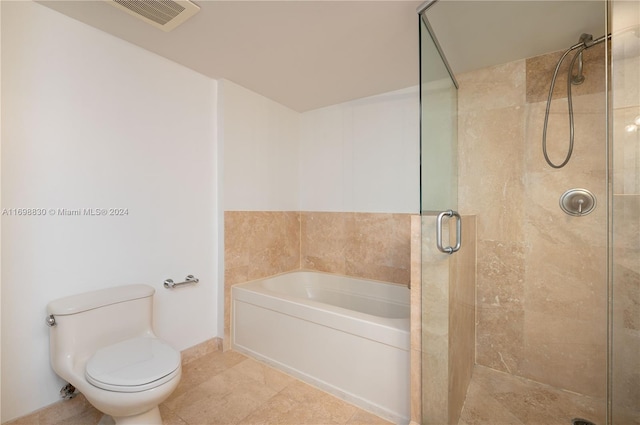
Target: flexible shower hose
x=581, y=47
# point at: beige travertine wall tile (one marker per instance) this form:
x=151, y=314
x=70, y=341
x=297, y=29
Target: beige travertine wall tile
x=416, y=321
x=379, y=247
x=569, y=354
x=324, y=241
x=416, y=385
x=462, y=318
x=533, y=259
x=492, y=186
x=500, y=314
x=368, y=245
x=626, y=154
x=566, y=259
x=569, y=283
x=490, y=155
x=496, y=87
x=540, y=71
x=416, y=284
x=435, y=326
x=626, y=219
x=626, y=311
x=626, y=87
x=264, y=243
x=589, y=126
x=500, y=338
x=501, y=274
x=448, y=322
x=626, y=378
x=257, y=244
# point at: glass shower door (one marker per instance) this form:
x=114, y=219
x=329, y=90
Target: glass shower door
x=438, y=135
x=624, y=326
x=447, y=291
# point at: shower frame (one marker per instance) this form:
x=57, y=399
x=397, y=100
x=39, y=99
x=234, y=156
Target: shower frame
x=608, y=204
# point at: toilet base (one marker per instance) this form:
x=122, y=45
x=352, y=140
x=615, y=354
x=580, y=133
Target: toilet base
x=152, y=417
x=106, y=420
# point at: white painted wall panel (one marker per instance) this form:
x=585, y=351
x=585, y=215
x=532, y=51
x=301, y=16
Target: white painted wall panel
x=362, y=156
x=261, y=157
x=90, y=121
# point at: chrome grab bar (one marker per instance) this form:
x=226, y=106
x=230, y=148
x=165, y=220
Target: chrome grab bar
x=169, y=283
x=449, y=249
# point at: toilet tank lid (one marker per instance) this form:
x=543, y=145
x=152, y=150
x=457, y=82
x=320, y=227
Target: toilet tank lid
x=90, y=300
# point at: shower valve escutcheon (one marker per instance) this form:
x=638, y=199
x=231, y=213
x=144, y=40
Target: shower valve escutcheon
x=577, y=202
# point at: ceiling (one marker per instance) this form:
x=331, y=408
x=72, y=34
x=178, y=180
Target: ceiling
x=302, y=54
x=310, y=54
x=477, y=34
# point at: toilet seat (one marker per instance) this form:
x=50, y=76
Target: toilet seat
x=133, y=365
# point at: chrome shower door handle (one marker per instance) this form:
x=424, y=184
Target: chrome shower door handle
x=449, y=249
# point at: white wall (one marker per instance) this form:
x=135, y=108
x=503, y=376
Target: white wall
x=362, y=156
x=90, y=121
x=260, y=139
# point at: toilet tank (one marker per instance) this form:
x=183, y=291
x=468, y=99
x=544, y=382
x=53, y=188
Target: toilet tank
x=92, y=320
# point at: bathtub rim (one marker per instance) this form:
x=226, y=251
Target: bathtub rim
x=389, y=331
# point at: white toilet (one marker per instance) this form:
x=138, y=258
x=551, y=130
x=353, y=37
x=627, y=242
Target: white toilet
x=102, y=343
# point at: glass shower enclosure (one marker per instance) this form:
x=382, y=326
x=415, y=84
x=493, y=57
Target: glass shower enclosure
x=447, y=246
x=538, y=304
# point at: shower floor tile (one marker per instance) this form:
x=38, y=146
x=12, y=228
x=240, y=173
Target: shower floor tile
x=498, y=398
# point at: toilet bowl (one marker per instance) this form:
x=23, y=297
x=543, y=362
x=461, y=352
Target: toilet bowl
x=102, y=343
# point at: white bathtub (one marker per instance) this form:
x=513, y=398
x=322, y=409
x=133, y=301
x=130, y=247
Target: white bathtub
x=347, y=336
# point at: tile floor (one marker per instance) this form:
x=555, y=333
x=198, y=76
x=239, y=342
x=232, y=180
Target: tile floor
x=497, y=398
x=229, y=388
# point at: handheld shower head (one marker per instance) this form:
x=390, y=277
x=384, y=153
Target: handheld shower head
x=585, y=41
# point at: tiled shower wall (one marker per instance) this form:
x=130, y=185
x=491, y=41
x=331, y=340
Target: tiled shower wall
x=258, y=244
x=541, y=288
x=445, y=335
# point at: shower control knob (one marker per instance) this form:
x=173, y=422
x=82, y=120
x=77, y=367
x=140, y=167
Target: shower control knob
x=577, y=202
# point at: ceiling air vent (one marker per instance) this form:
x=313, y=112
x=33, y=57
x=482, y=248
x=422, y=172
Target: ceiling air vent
x=163, y=14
